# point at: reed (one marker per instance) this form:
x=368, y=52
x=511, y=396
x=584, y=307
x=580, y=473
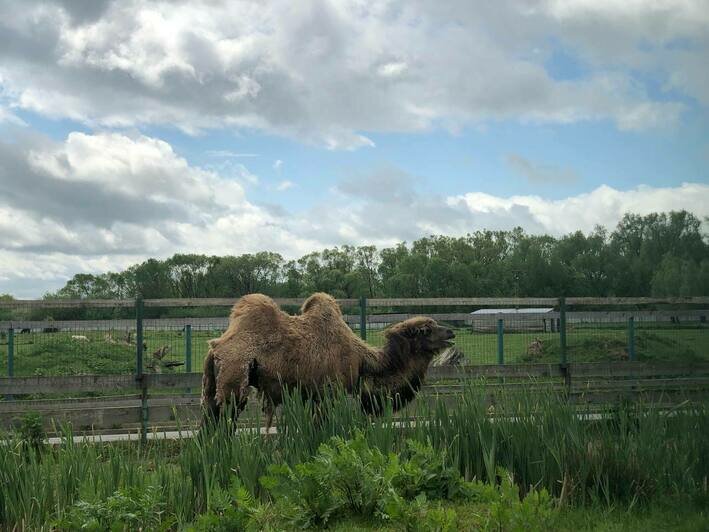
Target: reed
x=630, y=455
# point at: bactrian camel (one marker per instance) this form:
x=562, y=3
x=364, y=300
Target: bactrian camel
x=267, y=349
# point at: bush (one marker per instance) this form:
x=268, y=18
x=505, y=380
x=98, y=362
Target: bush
x=349, y=478
x=129, y=509
x=31, y=430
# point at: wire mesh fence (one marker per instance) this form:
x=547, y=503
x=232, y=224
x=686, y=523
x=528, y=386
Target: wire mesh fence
x=679, y=335
x=101, y=337
x=64, y=338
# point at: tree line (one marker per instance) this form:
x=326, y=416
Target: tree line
x=660, y=254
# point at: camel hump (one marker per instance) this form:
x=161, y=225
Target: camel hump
x=254, y=303
x=322, y=303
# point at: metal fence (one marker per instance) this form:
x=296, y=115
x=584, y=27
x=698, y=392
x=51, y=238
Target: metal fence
x=63, y=337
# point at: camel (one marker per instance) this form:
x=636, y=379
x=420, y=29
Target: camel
x=267, y=349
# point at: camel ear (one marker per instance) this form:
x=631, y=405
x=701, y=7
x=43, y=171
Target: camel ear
x=420, y=331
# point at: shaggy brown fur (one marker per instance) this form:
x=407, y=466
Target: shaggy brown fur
x=266, y=348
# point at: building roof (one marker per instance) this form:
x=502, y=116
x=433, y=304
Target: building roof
x=513, y=311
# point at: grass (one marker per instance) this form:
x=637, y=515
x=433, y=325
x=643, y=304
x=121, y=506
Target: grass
x=583, y=345
x=633, y=460
x=108, y=352
x=659, y=518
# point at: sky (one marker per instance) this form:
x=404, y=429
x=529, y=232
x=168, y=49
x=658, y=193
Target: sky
x=133, y=129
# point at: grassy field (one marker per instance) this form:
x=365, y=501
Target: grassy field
x=109, y=352
x=583, y=345
x=537, y=466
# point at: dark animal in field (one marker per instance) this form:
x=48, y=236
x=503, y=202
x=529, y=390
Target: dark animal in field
x=160, y=352
x=25, y=331
x=267, y=349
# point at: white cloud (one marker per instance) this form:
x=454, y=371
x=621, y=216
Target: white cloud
x=540, y=173
x=245, y=175
x=603, y=206
x=101, y=201
x=277, y=165
x=95, y=203
x=230, y=154
x=8, y=117
x=329, y=72
x=284, y=185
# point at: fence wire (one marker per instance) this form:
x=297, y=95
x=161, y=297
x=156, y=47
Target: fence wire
x=57, y=340
x=53, y=340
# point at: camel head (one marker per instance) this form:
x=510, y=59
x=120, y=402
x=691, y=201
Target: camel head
x=410, y=347
x=424, y=335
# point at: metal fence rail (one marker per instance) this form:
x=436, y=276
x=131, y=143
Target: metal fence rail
x=159, y=402
x=75, y=337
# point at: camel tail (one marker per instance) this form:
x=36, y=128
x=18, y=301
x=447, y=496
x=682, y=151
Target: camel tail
x=209, y=388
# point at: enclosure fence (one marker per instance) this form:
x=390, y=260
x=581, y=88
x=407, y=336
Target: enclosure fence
x=86, y=337
x=134, y=365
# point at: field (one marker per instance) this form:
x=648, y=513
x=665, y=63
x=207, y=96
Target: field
x=104, y=352
x=535, y=466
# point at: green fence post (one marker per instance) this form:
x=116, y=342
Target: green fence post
x=10, y=357
x=139, y=309
x=188, y=351
x=562, y=328
x=140, y=377
x=500, y=342
x=631, y=338
x=10, y=352
x=188, y=348
x=363, y=317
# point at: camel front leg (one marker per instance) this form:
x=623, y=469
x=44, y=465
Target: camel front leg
x=232, y=390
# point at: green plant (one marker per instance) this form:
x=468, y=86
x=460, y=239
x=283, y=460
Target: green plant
x=232, y=509
x=31, y=430
x=425, y=470
x=535, y=512
x=126, y=509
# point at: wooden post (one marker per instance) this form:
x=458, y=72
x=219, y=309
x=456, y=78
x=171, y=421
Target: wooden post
x=500, y=342
x=363, y=317
x=562, y=328
x=631, y=338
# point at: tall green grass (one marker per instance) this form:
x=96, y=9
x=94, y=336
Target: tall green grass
x=633, y=455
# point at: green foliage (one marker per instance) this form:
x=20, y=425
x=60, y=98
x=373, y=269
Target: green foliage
x=232, y=509
x=455, y=459
x=126, y=509
x=344, y=476
x=660, y=253
x=350, y=478
x=424, y=470
x=535, y=512
x=31, y=430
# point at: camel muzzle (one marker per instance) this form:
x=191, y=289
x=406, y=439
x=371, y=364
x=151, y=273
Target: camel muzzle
x=448, y=336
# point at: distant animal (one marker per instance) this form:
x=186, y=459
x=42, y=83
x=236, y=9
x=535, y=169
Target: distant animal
x=265, y=348
x=157, y=363
x=25, y=331
x=79, y=338
x=160, y=352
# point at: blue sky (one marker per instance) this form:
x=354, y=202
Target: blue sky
x=141, y=129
